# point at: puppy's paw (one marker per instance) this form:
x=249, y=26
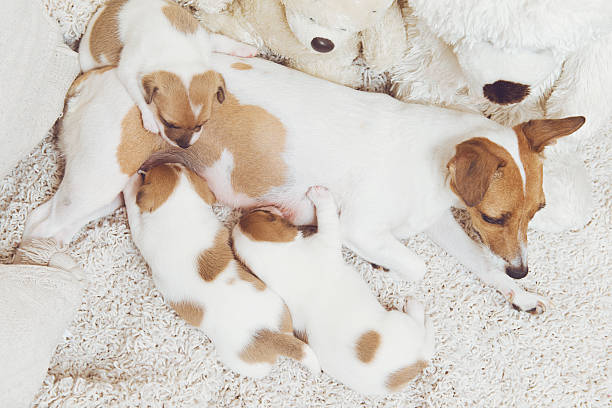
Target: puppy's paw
x=319, y=195
x=243, y=50
x=524, y=301
x=148, y=121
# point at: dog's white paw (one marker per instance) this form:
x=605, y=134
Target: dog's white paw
x=524, y=301
x=318, y=195
x=148, y=121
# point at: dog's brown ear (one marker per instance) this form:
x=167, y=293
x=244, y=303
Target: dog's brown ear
x=158, y=185
x=471, y=170
x=544, y=132
x=149, y=87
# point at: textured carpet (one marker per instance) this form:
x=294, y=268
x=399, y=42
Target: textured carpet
x=127, y=348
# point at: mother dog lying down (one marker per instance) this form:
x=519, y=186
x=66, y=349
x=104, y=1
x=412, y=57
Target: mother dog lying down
x=394, y=168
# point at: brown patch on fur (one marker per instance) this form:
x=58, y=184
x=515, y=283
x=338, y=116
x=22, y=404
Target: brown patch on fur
x=267, y=345
x=286, y=324
x=505, y=92
x=241, y=66
x=84, y=77
x=265, y=226
x=401, y=377
x=204, y=90
x=302, y=335
x=190, y=312
x=366, y=345
x=473, y=167
x=544, y=132
x=158, y=185
x=180, y=18
x=137, y=144
x=247, y=276
x=104, y=39
x=201, y=187
x=214, y=260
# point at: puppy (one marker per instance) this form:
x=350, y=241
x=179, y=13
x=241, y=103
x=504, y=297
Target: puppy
x=187, y=249
x=394, y=168
x=357, y=341
x=163, y=57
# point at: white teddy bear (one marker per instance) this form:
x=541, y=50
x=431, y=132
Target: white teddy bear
x=513, y=61
x=324, y=38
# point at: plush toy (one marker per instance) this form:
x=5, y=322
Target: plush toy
x=324, y=38
x=514, y=61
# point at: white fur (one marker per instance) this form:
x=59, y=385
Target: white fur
x=334, y=306
x=171, y=239
x=383, y=160
x=151, y=43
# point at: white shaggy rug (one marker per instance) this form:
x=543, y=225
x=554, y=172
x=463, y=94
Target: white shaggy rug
x=127, y=348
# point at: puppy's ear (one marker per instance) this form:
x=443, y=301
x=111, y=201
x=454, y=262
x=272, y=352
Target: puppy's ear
x=471, y=170
x=544, y=132
x=149, y=87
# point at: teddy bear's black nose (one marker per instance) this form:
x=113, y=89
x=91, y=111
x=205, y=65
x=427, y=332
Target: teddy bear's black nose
x=505, y=92
x=321, y=44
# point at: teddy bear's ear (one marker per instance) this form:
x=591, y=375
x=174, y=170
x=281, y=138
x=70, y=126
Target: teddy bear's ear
x=544, y=132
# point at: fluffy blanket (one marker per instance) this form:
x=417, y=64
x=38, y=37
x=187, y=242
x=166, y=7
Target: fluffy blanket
x=127, y=348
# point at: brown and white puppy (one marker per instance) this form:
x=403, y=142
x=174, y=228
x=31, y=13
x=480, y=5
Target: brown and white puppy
x=188, y=251
x=162, y=54
x=357, y=341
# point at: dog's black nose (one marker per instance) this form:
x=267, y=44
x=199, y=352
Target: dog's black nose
x=183, y=142
x=321, y=44
x=517, y=272
x=505, y=92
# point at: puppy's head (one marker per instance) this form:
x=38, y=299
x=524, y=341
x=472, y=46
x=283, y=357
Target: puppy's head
x=157, y=185
x=183, y=107
x=267, y=225
x=503, y=192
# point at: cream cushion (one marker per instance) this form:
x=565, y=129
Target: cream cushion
x=36, y=71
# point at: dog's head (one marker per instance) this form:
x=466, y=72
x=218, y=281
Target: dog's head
x=503, y=190
x=183, y=107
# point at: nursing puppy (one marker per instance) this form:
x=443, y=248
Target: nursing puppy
x=357, y=341
x=188, y=251
x=163, y=57
x=394, y=168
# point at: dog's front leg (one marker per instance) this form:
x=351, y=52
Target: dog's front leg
x=368, y=238
x=130, y=81
x=448, y=234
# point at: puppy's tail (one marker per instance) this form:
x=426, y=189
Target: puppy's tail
x=309, y=358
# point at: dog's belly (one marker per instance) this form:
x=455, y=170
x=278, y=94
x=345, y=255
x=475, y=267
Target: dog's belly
x=221, y=177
